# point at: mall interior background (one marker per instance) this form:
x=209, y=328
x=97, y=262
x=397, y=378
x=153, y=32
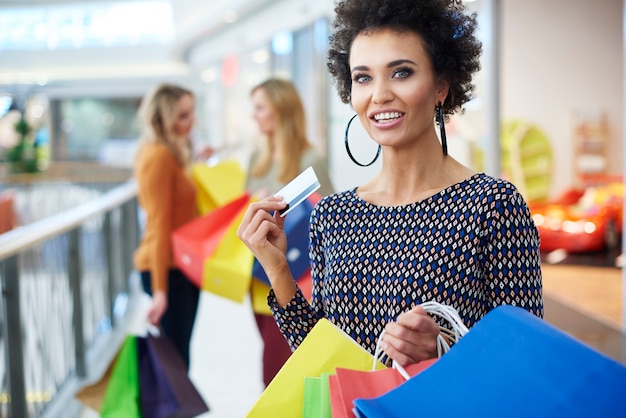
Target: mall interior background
x=79, y=70
x=556, y=60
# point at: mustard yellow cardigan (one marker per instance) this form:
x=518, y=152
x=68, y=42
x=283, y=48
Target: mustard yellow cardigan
x=168, y=197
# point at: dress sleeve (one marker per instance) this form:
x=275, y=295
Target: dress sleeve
x=158, y=184
x=513, y=263
x=299, y=317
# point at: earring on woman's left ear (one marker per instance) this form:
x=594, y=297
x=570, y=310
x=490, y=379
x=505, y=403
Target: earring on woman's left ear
x=442, y=128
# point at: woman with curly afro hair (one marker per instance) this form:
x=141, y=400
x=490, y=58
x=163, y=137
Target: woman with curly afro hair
x=425, y=227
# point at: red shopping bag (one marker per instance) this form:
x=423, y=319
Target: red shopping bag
x=350, y=384
x=337, y=407
x=305, y=283
x=196, y=241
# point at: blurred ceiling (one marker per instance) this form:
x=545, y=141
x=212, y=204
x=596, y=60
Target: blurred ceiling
x=130, y=67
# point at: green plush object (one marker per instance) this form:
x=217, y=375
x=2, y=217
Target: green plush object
x=527, y=159
x=23, y=156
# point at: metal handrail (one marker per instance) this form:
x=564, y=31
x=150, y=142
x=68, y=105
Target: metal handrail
x=117, y=236
x=18, y=239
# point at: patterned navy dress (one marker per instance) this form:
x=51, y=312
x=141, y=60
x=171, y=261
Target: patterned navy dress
x=473, y=246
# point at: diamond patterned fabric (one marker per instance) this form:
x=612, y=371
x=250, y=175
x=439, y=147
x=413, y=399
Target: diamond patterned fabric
x=473, y=246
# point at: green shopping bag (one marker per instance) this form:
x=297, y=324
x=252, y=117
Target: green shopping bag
x=146, y=379
x=121, y=399
x=316, y=402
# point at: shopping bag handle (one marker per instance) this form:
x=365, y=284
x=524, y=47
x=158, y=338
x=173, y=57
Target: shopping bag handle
x=153, y=330
x=448, y=313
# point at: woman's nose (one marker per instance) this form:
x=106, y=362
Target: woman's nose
x=381, y=93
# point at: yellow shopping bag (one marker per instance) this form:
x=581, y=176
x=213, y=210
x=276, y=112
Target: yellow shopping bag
x=259, y=291
x=217, y=184
x=258, y=296
x=325, y=348
x=227, y=272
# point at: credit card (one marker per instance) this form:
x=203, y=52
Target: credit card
x=298, y=189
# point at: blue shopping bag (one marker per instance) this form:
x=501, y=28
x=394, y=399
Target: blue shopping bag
x=511, y=364
x=297, y=231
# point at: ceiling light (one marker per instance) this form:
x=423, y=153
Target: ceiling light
x=261, y=56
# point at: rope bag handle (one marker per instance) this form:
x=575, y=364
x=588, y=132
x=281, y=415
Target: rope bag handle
x=454, y=333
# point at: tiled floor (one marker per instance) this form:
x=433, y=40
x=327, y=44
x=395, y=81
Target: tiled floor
x=586, y=302
x=226, y=357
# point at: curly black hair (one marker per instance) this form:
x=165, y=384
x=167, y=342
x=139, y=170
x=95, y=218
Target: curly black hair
x=445, y=26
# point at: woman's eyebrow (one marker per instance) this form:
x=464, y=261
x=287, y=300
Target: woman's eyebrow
x=391, y=64
x=400, y=62
x=360, y=68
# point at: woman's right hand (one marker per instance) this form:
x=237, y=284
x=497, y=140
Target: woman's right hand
x=262, y=230
x=157, y=308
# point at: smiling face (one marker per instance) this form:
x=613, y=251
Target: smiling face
x=184, y=116
x=394, y=90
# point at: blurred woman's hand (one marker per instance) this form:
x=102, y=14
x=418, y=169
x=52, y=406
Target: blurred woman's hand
x=157, y=308
x=205, y=153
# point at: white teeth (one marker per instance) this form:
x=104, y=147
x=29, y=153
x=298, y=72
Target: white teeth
x=387, y=116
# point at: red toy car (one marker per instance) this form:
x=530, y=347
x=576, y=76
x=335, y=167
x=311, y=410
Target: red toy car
x=582, y=219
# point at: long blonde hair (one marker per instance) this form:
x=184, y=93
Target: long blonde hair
x=156, y=118
x=289, y=136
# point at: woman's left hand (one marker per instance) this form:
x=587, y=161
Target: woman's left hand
x=205, y=153
x=411, y=338
x=157, y=307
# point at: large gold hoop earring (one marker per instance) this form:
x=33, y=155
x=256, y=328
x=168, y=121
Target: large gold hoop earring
x=350, y=153
x=442, y=129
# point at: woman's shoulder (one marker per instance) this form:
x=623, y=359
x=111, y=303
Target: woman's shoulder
x=334, y=201
x=483, y=184
x=155, y=155
x=488, y=192
x=155, y=150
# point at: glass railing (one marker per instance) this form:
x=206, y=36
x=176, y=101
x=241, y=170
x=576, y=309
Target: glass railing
x=66, y=289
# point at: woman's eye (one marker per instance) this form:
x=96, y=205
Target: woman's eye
x=402, y=73
x=360, y=78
